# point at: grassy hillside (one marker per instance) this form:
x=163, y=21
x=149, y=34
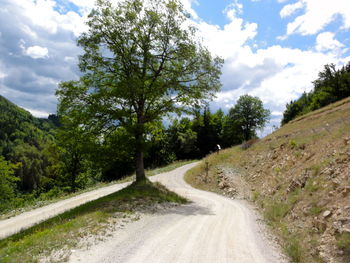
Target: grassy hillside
x=300, y=178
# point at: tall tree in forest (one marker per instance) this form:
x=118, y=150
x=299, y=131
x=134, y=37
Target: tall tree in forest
x=249, y=114
x=140, y=63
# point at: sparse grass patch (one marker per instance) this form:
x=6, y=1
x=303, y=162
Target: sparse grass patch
x=255, y=196
x=293, y=249
x=343, y=242
x=315, y=170
x=276, y=211
x=315, y=210
x=297, y=145
x=292, y=243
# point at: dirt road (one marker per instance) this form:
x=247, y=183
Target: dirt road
x=212, y=229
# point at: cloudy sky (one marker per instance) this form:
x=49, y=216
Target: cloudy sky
x=273, y=49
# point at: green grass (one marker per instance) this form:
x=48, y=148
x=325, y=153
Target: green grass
x=293, y=249
x=64, y=231
x=315, y=210
x=276, y=211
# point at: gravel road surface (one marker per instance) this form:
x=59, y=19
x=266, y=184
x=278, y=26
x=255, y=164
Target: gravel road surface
x=212, y=229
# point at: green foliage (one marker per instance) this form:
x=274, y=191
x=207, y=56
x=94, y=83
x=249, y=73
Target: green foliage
x=332, y=85
x=115, y=155
x=7, y=182
x=158, y=147
x=140, y=63
x=183, y=139
x=249, y=114
x=25, y=140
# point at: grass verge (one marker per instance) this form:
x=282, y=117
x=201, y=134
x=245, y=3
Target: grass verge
x=65, y=230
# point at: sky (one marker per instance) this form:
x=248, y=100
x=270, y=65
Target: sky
x=273, y=49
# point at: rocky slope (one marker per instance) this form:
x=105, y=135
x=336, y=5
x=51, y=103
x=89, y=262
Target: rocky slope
x=299, y=176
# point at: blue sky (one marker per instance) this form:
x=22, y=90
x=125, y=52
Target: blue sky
x=273, y=49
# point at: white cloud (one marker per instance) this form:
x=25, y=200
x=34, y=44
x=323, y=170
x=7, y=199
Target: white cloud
x=326, y=42
x=42, y=13
x=291, y=9
x=233, y=10
x=38, y=113
x=317, y=14
x=37, y=52
x=275, y=74
x=226, y=41
x=276, y=113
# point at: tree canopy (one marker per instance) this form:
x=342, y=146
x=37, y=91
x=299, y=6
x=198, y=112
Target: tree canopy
x=249, y=114
x=141, y=62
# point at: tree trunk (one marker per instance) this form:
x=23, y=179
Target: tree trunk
x=74, y=172
x=140, y=170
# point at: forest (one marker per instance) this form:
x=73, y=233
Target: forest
x=42, y=159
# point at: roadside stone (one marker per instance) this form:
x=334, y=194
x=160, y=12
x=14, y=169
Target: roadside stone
x=320, y=225
x=298, y=182
x=326, y=213
x=223, y=184
x=345, y=191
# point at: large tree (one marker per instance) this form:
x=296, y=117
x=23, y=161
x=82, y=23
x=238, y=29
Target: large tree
x=141, y=61
x=249, y=114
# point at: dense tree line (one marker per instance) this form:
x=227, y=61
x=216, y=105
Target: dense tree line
x=331, y=85
x=41, y=158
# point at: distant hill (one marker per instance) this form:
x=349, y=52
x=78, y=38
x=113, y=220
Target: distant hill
x=23, y=139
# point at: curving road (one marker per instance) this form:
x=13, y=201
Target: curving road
x=212, y=229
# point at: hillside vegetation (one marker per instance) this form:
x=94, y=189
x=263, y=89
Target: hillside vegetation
x=25, y=153
x=331, y=85
x=299, y=176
